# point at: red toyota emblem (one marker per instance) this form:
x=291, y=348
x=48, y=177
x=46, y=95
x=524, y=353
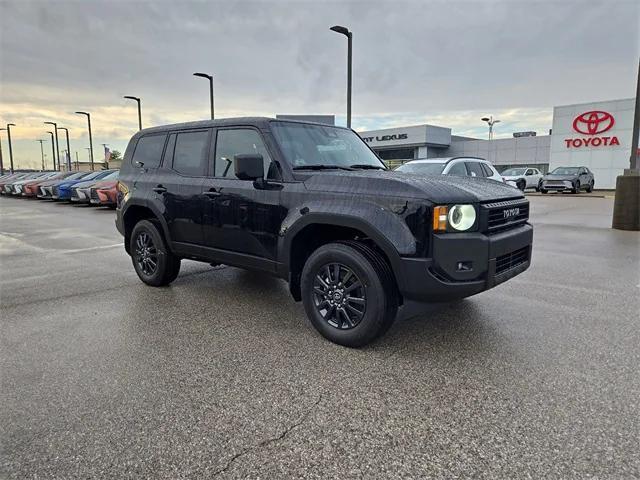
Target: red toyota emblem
x=594, y=122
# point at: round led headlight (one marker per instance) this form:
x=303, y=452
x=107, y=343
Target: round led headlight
x=462, y=217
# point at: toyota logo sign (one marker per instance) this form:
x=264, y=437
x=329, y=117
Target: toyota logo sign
x=593, y=123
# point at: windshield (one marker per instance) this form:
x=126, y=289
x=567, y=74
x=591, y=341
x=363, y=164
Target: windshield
x=565, y=171
x=423, y=168
x=513, y=172
x=76, y=176
x=111, y=176
x=305, y=145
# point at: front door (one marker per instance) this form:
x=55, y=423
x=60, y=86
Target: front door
x=242, y=217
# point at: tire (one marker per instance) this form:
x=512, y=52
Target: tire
x=590, y=186
x=356, y=315
x=543, y=191
x=521, y=184
x=539, y=186
x=576, y=187
x=146, y=235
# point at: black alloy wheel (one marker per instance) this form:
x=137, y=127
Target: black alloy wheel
x=146, y=254
x=339, y=296
x=576, y=187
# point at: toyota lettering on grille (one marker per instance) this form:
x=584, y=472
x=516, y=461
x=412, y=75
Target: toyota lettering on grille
x=511, y=212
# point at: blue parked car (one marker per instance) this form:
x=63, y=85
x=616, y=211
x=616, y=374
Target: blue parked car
x=62, y=191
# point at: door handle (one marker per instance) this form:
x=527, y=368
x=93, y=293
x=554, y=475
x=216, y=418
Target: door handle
x=212, y=192
x=159, y=189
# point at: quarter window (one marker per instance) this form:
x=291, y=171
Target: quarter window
x=189, y=154
x=149, y=150
x=487, y=170
x=238, y=142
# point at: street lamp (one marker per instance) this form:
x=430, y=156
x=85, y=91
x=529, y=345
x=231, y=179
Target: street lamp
x=9, y=125
x=491, y=122
x=66, y=131
x=53, y=150
x=129, y=97
x=345, y=31
x=90, y=138
x=41, y=151
x=55, y=128
x=210, y=78
x=1, y=164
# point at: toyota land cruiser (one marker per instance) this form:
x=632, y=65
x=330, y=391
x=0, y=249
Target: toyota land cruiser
x=313, y=205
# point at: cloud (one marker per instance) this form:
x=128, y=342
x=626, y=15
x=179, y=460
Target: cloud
x=416, y=61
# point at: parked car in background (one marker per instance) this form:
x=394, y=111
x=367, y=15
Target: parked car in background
x=459, y=166
x=62, y=191
x=105, y=193
x=572, y=179
x=14, y=187
x=31, y=188
x=46, y=188
x=523, y=177
x=11, y=177
x=80, y=191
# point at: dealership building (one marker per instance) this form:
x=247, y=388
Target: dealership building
x=596, y=135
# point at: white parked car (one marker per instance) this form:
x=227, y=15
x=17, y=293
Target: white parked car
x=523, y=177
x=461, y=166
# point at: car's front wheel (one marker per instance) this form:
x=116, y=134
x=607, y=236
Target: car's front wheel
x=152, y=260
x=521, y=184
x=590, y=186
x=349, y=293
x=576, y=187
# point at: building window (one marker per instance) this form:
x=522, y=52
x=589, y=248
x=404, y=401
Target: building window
x=396, y=154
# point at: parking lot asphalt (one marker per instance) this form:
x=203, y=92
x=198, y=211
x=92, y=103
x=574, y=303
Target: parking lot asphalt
x=220, y=375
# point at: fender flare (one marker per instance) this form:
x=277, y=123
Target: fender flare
x=144, y=203
x=389, y=232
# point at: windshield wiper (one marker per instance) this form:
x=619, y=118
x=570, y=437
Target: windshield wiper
x=321, y=167
x=365, y=166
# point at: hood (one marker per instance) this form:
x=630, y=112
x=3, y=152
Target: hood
x=435, y=188
x=85, y=183
x=512, y=177
x=549, y=176
x=106, y=184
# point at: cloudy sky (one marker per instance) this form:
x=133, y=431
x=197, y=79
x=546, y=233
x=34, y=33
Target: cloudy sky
x=441, y=62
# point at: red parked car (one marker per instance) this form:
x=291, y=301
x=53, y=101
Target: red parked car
x=104, y=193
x=32, y=189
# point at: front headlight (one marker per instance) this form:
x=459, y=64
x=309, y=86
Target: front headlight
x=462, y=217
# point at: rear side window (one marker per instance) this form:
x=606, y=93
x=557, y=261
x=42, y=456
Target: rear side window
x=149, y=150
x=458, y=169
x=189, y=153
x=487, y=170
x=475, y=170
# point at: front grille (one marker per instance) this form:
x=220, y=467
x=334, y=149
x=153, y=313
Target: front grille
x=511, y=260
x=54, y=191
x=94, y=194
x=500, y=216
x=74, y=193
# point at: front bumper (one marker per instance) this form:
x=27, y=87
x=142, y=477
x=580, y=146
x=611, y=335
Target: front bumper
x=464, y=264
x=557, y=185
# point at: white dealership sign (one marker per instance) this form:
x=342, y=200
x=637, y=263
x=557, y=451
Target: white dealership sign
x=594, y=135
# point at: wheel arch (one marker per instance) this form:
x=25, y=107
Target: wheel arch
x=141, y=211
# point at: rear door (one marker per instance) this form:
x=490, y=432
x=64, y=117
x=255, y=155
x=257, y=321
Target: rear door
x=177, y=185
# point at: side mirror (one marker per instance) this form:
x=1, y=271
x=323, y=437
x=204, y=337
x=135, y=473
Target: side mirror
x=249, y=166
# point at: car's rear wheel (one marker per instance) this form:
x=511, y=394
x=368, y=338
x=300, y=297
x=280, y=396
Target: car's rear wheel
x=539, y=186
x=152, y=260
x=590, y=186
x=349, y=293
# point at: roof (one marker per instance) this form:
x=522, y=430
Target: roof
x=444, y=159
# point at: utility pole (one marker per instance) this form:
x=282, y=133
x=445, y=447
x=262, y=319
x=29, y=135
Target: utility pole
x=41, y=151
x=1, y=164
x=9, y=125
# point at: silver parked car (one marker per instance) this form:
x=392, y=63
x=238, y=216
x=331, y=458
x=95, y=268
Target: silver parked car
x=523, y=177
x=460, y=166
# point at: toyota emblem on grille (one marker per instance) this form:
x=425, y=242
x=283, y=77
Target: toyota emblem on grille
x=511, y=212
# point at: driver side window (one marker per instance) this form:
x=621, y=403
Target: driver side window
x=458, y=169
x=238, y=141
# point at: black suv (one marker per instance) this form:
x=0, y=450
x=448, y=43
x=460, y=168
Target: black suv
x=312, y=204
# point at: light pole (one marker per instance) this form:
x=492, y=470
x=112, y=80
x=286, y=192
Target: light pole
x=210, y=78
x=129, y=97
x=41, y=151
x=53, y=150
x=1, y=164
x=491, y=122
x=345, y=31
x=9, y=125
x=90, y=138
x=66, y=131
x=55, y=128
